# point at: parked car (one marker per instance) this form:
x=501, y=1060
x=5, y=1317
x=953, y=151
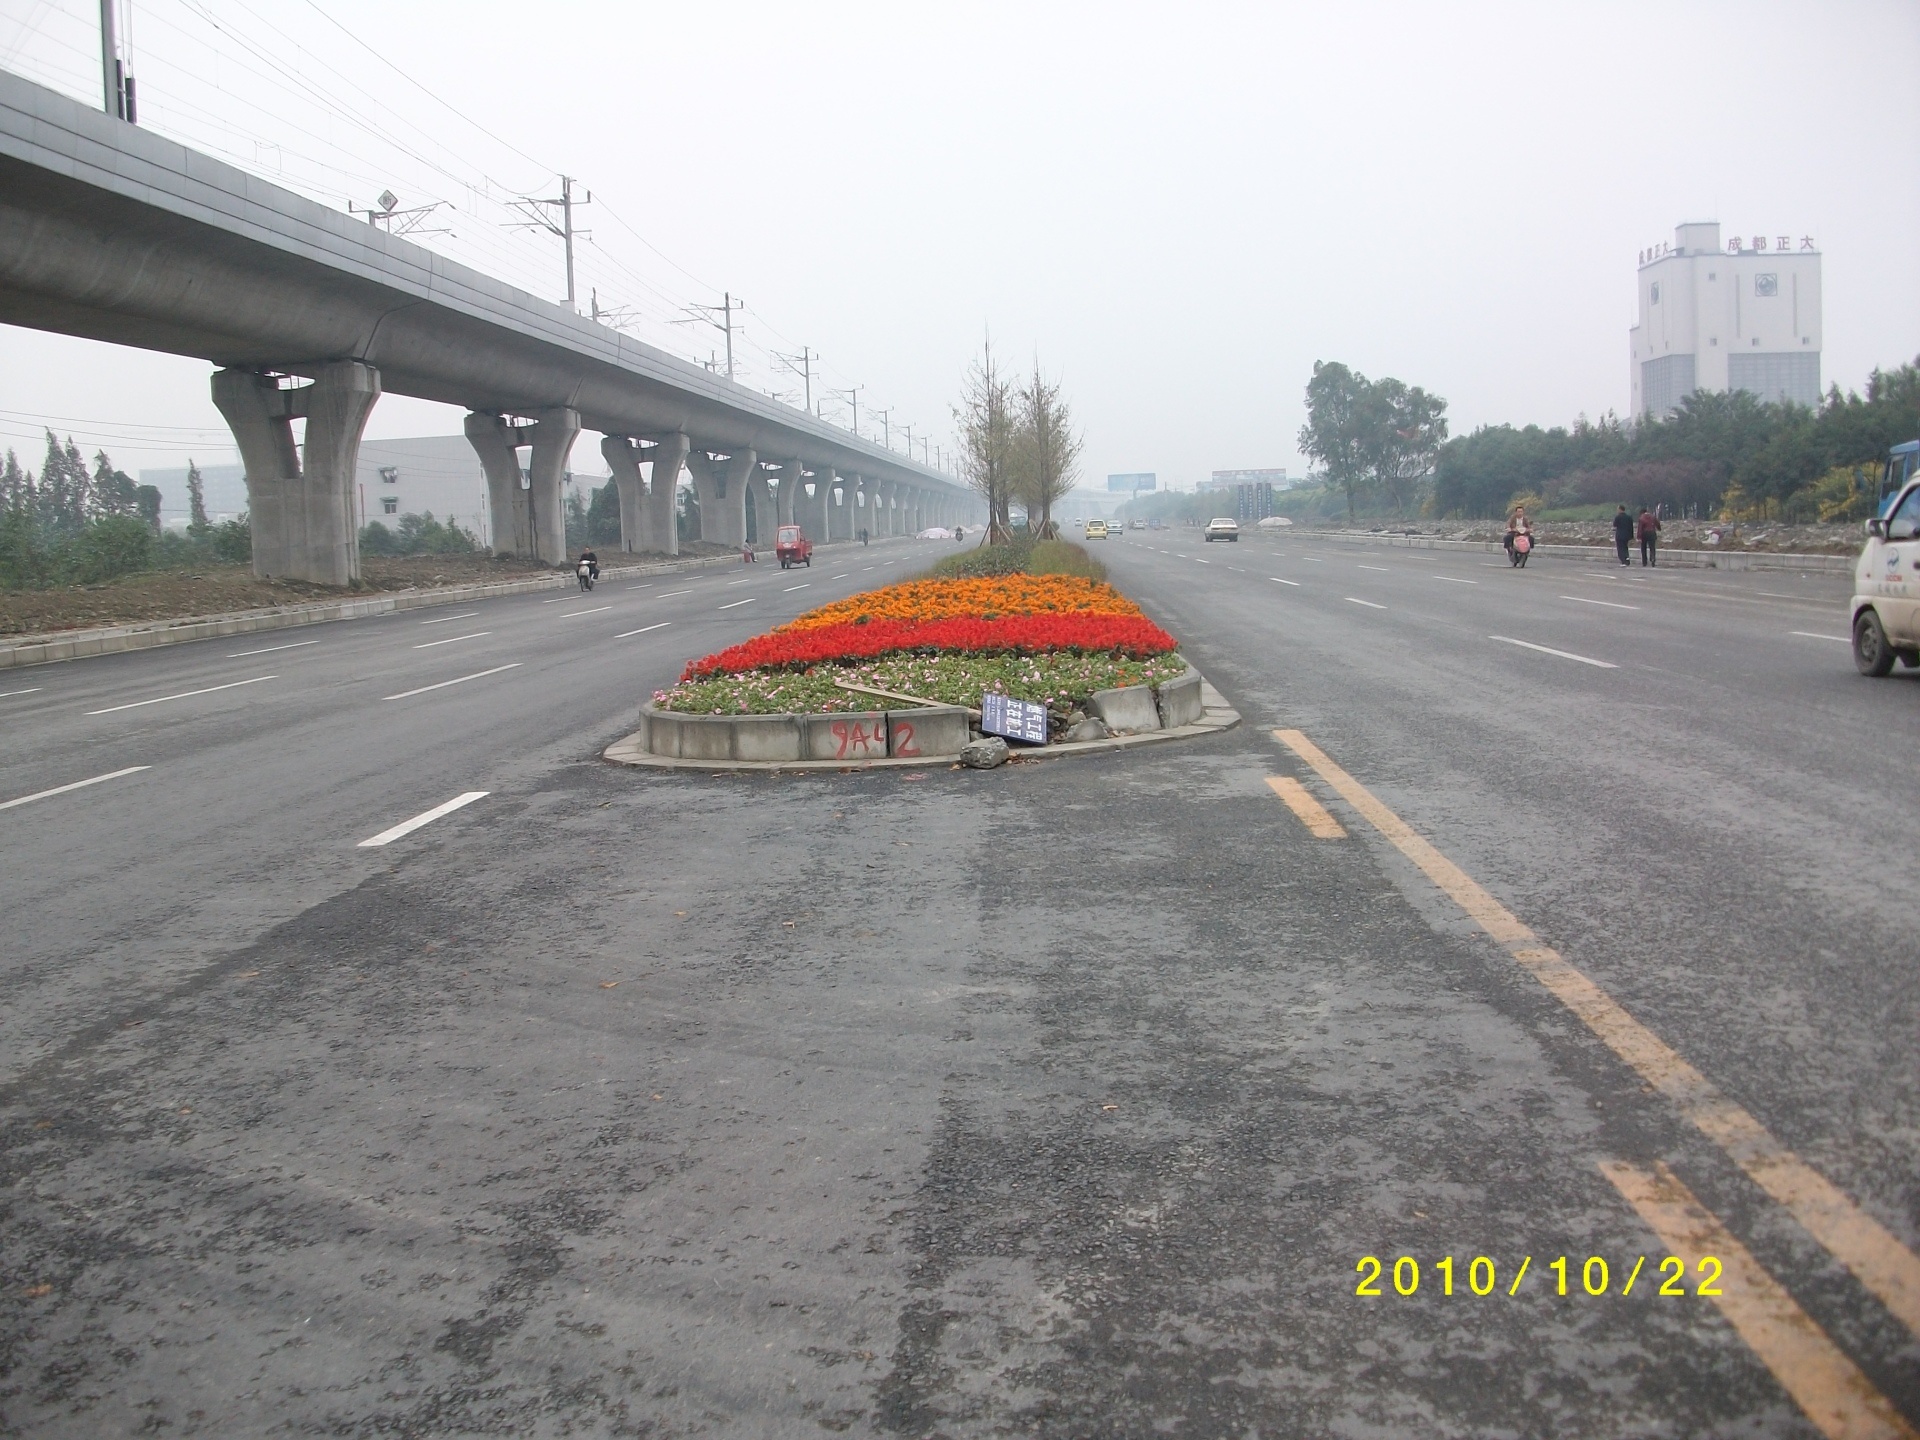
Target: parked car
x=1222, y=527
x=792, y=547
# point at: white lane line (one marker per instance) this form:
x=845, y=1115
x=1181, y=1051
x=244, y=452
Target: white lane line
x=1236, y=569
x=1198, y=561
x=407, y=827
x=647, y=586
x=1610, y=604
x=1596, y=575
x=1384, y=570
x=643, y=629
x=183, y=695
x=1352, y=600
x=841, y=576
x=598, y=609
x=453, y=639
x=669, y=594
x=556, y=599
x=238, y=654
x=477, y=675
x=791, y=588
x=1815, y=635
x=1278, y=581
x=1313, y=559
x=1776, y=595
x=463, y=615
x=736, y=604
x=76, y=785
x=35, y=690
x=747, y=581
x=1549, y=650
x=1490, y=565
x=1455, y=580
x=865, y=568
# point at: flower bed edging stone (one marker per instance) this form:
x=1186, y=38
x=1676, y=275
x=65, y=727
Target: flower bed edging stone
x=884, y=739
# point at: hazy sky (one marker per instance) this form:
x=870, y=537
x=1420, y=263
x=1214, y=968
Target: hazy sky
x=1179, y=209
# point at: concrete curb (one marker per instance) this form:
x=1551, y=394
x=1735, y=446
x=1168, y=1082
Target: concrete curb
x=117, y=639
x=1215, y=716
x=1688, y=559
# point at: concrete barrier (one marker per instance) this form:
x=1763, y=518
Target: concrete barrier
x=1129, y=709
x=1180, y=701
x=933, y=731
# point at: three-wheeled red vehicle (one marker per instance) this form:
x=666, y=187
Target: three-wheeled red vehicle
x=793, y=548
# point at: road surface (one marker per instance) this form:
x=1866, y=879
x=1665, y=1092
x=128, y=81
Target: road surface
x=1527, y=916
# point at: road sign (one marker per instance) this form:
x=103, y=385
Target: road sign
x=1015, y=719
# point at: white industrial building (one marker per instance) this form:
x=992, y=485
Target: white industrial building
x=1742, y=317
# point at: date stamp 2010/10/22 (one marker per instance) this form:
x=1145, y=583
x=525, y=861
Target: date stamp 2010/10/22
x=1481, y=1276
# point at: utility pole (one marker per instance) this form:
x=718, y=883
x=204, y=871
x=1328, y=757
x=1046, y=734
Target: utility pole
x=801, y=364
x=885, y=428
x=540, y=219
x=909, y=430
x=703, y=315
x=853, y=397
x=115, y=84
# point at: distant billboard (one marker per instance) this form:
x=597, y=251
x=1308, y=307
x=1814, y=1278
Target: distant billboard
x=1131, y=483
x=1224, y=478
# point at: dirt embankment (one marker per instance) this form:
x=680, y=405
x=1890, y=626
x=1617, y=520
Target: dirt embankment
x=220, y=589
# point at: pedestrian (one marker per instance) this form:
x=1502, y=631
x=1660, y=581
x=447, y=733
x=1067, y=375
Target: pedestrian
x=1649, y=538
x=746, y=552
x=1623, y=534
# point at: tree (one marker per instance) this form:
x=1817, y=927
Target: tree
x=114, y=492
x=1046, y=452
x=603, y=515
x=147, y=501
x=1403, y=430
x=985, y=416
x=198, y=525
x=1336, y=432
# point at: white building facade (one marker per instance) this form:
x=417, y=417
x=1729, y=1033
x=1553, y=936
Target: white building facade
x=1745, y=316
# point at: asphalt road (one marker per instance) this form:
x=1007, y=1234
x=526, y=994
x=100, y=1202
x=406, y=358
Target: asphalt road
x=1064, y=1099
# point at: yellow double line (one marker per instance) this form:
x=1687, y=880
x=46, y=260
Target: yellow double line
x=1822, y=1380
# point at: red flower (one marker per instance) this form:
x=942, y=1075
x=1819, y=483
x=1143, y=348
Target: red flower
x=1130, y=635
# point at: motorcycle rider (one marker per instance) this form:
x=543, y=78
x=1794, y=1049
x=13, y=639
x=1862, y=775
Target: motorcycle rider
x=592, y=562
x=1518, y=525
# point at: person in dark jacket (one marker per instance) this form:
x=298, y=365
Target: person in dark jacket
x=1649, y=538
x=1622, y=534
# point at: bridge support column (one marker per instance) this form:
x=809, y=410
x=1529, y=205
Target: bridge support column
x=554, y=432
x=792, y=477
x=497, y=445
x=623, y=458
x=840, y=511
x=819, y=521
x=669, y=456
x=528, y=518
x=741, y=466
x=766, y=514
x=303, y=515
x=710, y=489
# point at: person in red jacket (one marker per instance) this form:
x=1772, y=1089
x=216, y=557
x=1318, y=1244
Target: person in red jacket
x=1649, y=538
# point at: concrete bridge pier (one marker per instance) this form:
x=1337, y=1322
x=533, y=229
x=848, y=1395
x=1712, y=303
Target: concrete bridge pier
x=528, y=518
x=792, y=478
x=669, y=456
x=303, y=515
x=766, y=514
x=820, y=504
x=720, y=483
x=623, y=457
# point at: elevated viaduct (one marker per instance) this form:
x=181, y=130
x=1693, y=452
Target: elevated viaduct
x=115, y=233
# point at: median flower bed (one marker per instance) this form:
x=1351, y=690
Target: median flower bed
x=1050, y=639
x=986, y=598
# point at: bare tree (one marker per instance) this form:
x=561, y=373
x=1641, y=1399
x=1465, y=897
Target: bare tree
x=1046, y=452
x=986, y=421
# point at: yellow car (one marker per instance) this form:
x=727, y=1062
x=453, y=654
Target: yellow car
x=1096, y=529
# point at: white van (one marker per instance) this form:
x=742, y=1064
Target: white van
x=1886, y=582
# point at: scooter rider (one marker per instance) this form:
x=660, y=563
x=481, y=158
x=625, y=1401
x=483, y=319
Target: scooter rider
x=1516, y=526
x=592, y=562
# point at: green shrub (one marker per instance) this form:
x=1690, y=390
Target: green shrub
x=111, y=546
x=232, y=541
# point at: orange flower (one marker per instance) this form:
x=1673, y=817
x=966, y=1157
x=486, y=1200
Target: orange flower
x=983, y=598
